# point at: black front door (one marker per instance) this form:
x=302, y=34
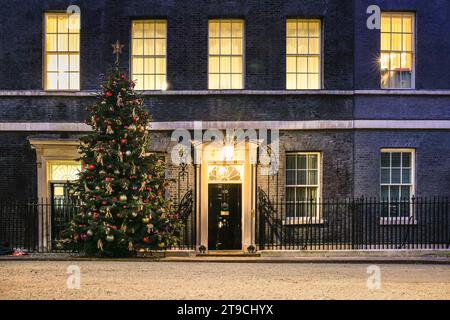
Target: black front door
x=224, y=217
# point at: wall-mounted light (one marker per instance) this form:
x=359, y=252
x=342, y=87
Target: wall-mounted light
x=228, y=152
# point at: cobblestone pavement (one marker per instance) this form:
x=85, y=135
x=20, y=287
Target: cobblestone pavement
x=177, y=280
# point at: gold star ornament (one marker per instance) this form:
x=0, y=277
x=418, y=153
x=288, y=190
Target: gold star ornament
x=117, y=50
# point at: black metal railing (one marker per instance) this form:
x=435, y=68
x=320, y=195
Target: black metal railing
x=352, y=224
x=36, y=226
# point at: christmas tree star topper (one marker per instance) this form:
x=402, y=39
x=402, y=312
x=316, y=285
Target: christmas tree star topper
x=117, y=50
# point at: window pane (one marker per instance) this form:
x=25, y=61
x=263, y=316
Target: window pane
x=160, y=47
x=63, y=42
x=398, y=49
x=301, y=194
x=312, y=162
x=291, y=64
x=314, y=29
x=63, y=23
x=385, y=176
x=214, y=81
x=302, y=81
x=160, y=30
x=385, y=23
x=302, y=28
x=395, y=176
x=291, y=81
x=74, y=62
x=225, y=64
x=74, y=42
x=51, y=43
x=52, y=81
x=225, y=81
x=301, y=177
x=407, y=24
x=225, y=28
x=214, y=64
x=138, y=47
x=290, y=177
x=406, y=175
x=149, y=54
x=236, y=64
x=394, y=193
x=385, y=159
x=138, y=29
x=313, y=81
x=74, y=79
x=290, y=194
x=396, y=156
x=291, y=28
x=314, y=46
x=236, y=46
x=406, y=159
x=214, y=45
x=214, y=29
x=149, y=30
x=312, y=177
x=302, y=46
x=290, y=162
x=303, y=41
x=301, y=161
x=396, y=24
x=386, y=41
x=385, y=193
x=406, y=193
x=291, y=46
x=52, y=62
x=63, y=63
x=236, y=81
x=138, y=66
x=237, y=29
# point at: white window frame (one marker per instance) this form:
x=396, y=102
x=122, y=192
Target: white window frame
x=413, y=60
x=317, y=219
x=243, y=54
x=400, y=220
x=143, y=56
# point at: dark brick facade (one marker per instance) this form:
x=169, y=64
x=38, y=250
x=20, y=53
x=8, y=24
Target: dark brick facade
x=350, y=50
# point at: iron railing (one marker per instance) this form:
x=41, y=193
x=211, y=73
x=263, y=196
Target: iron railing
x=36, y=226
x=352, y=224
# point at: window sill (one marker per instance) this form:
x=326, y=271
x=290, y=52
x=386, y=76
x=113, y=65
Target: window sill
x=398, y=221
x=300, y=221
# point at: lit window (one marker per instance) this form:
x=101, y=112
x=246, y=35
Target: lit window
x=302, y=184
x=397, y=50
x=62, y=51
x=397, y=182
x=303, y=50
x=149, y=48
x=63, y=170
x=226, y=54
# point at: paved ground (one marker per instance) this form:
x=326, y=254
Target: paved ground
x=179, y=280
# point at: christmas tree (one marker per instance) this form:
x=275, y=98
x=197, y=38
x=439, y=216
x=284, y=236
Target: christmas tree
x=121, y=190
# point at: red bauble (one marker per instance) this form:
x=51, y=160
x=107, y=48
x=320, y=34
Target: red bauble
x=123, y=141
x=109, y=94
x=146, y=240
x=125, y=207
x=91, y=167
x=114, y=199
x=104, y=203
x=122, y=76
x=108, y=179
